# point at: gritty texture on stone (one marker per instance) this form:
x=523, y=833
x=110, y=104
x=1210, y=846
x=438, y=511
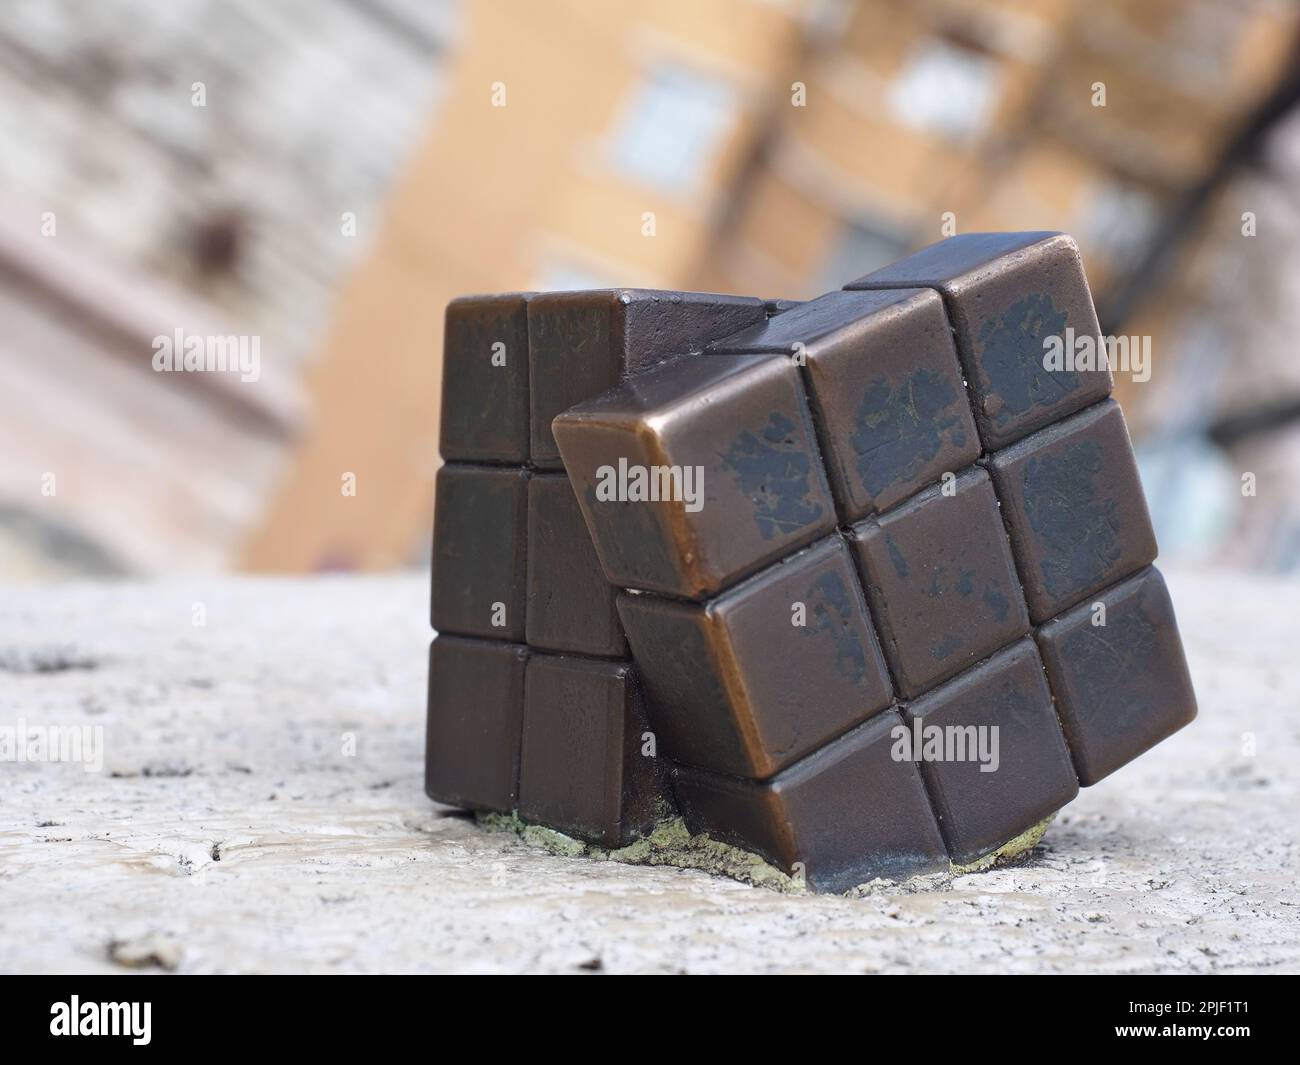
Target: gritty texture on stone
x=229, y=831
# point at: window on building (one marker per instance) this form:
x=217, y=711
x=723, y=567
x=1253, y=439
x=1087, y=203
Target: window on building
x=672, y=127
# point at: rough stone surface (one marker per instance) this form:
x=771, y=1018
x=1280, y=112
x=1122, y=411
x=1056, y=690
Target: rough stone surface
x=229, y=831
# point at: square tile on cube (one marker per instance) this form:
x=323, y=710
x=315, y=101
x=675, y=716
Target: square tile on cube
x=475, y=718
x=941, y=582
x=756, y=678
x=570, y=604
x=1002, y=764
x=589, y=767
x=479, y=551
x=1117, y=670
x=1074, y=508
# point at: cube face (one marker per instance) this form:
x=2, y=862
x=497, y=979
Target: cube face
x=1012, y=297
x=941, y=582
x=760, y=676
x=479, y=562
x=581, y=344
x=582, y=767
x=1121, y=687
x=848, y=813
x=476, y=706
x=1002, y=764
x=1074, y=509
x=485, y=380
x=570, y=604
x=885, y=387
x=737, y=429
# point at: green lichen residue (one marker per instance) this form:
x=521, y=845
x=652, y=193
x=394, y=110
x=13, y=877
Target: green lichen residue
x=1009, y=851
x=672, y=845
x=669, y=844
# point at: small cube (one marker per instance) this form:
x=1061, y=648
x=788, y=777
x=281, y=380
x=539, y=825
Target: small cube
x=846, y=814
x=941, y=582
x=991, y=752
x=1117, y=670
x=588, y=768
x=476, y=710
x=485, y=380
x=479, y=560
x=583, y=343
x=760, y=676
x=1014, y=299
x=693, y=475
x=570, y=604
x=1074, y=507
x=885, y=387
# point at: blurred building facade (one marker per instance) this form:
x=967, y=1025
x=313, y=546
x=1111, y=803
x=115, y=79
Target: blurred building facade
x=770, y=147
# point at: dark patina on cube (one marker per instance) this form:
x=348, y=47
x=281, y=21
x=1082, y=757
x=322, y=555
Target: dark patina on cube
x=885, y=386
x=1004, y=765
x=756, y=678
x=1074, y=508
x=588, y=765
x=1118, y=672
x=939, y=574
x=1009, y=297
x=738, y=427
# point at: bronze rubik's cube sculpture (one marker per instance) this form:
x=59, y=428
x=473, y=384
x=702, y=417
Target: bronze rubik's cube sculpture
x=713, y=555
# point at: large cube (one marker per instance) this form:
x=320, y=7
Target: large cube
x=831, y=535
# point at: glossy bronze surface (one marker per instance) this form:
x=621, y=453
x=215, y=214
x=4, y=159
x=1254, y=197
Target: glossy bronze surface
x=726, y=448
x=1010, y=296
x=760, y=676
x=1118, y=674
